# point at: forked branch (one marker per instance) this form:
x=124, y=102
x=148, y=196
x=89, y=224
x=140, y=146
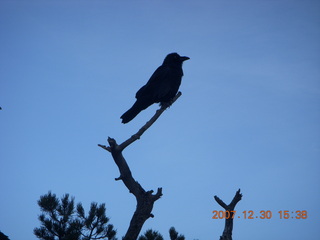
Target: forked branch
x=227, y=232
x=144, y=128
x=145, y=199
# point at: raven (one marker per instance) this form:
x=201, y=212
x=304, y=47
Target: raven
x=162, y=86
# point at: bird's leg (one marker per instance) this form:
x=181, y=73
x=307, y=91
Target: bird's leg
x=166, y=104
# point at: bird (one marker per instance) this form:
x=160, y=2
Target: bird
x=162, y=86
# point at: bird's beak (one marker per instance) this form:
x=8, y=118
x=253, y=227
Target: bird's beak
x=184, y=58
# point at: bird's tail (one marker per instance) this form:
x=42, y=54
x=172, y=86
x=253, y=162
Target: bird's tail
x=133, y=112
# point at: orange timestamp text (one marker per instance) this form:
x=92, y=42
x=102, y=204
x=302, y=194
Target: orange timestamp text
x=282, y=214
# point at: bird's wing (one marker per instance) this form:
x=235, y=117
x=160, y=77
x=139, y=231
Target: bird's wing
x=156, y=87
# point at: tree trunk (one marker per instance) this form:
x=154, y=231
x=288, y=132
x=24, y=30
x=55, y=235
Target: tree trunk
x=227, y=232
x=145, y=199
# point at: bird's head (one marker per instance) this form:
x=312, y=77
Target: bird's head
x=175, y=59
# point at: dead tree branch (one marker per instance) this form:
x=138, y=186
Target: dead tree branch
x=145, y=199
x=227, y=232
x=148, y=124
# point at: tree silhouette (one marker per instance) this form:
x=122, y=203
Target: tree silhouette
x=151, y=235
x=154, y=235
x=2, y=236
x=60, y=221
x=145, y=199
x=227, y=232
x=95, y=224
x=174, y=235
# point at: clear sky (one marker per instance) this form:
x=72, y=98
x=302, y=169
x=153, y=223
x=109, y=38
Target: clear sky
x=248, y=117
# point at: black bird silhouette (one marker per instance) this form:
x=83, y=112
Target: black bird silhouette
x=162, y=86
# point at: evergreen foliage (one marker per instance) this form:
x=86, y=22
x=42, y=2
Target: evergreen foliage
x=151, y=235
x=60, y=220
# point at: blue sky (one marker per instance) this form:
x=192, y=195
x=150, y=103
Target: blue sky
x=248, y=117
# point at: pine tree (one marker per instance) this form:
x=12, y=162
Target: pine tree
x=60, y=221
x=174, y=235
x=151, y=235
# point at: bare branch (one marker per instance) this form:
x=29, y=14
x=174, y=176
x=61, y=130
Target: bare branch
x=235, y=199
x=148, y=124
x=145, y=199
x=227, y=232
x=220, y=202
x=145, y=127
x=105, y=147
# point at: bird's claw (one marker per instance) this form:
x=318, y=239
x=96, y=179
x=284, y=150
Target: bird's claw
x=166, y=104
